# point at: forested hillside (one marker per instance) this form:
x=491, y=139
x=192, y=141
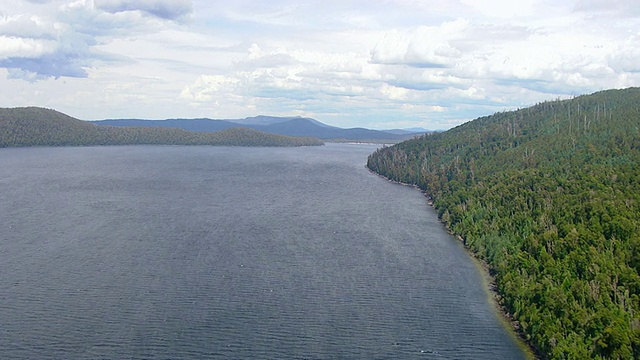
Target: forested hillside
x=34, y=126
x=288, y=126
x=549, y=197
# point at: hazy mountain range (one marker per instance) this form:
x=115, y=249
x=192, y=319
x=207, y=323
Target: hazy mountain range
x=289, y=126
x=34, y=126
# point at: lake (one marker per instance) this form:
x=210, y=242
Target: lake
x=138, y=252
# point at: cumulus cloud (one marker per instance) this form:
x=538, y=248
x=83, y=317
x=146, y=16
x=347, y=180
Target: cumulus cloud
x=310, y=83
x=462, y=54
x=278, y=73
x=615, y=8
x=353, y=62
x=24, y=26
x=424, y=46
x=35, y=47
x=206, y=86
x=164, y=9
x=55, y=64
x=25, y=47
x=59, y=40
x=626, y=60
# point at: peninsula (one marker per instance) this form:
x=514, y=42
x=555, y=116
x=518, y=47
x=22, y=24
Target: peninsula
x=34, y=126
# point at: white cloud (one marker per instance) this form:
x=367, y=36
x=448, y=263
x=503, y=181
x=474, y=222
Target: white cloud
x=394, y=92
x=25, y=47
x=612, y=8
x=57, y=41
x=206, y=86
x=424, y=46
x=164, y=9
x=506, y=9
x=624, y=58
x=351, y=63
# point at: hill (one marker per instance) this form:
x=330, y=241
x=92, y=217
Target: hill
x=197, y=125
x=268, y=120
x=549, y=197
x=288, y=126
x=34, y=126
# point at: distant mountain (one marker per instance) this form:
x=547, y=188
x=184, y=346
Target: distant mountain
x=33, y=126
x=407, y=131
x=288, y=126
x=269, y=120
x=198, y=125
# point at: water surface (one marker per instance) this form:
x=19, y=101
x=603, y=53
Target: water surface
x=212, y=252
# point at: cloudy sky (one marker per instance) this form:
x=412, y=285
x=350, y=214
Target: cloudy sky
x=376, y=64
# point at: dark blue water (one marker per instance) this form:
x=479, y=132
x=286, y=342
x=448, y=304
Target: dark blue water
x=212, y=252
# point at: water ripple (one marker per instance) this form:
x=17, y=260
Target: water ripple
x=199, y=252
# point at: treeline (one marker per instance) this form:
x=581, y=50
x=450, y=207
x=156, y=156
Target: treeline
x=34, y=126
x=549, y=197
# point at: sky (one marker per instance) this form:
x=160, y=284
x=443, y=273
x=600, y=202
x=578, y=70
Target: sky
x=386, y=64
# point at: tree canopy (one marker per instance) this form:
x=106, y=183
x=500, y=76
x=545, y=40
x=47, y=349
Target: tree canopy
x=549, y=197
x=34, y=126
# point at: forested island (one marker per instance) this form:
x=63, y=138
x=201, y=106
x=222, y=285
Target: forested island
x=549, y=197
x=33, y=126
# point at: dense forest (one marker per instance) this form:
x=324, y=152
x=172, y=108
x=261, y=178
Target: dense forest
x=289, y=126
x=549, y=197
x=34, y=126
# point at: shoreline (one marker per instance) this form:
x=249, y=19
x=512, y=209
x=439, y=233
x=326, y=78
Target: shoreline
x=489, y=283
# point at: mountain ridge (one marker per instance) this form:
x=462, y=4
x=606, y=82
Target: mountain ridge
x=35, y=126
x=288, y=126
